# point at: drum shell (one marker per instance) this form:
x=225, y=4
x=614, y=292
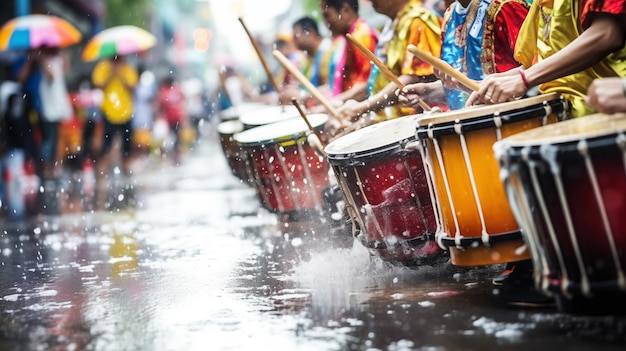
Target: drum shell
x=288, y=176
x=391, y=203
x=460, y=210
x=564, y=223
x=233, y=153
x=287, y=172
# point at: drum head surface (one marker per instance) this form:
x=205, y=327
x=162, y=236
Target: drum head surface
x=280, y=131
x=375, y=136
x=234, y=112
x=588, y=127
x=485, y=110
x=230, y=127
x=270, y=114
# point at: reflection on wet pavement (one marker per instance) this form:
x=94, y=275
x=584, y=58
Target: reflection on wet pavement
x=194, y=263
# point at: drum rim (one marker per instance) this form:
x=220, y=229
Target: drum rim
x=288, y=112
x=234, y=122
x=483, y=110
x=471, y=241
x=281, y=139
x=557, y=135
x=229, y=113
x=520, y=114
x=388, y=149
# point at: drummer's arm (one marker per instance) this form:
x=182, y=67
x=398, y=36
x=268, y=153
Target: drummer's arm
x=604, y=36
x=388, y=96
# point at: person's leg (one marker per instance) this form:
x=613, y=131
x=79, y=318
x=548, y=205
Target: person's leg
x=50, y=136
x=127, y=146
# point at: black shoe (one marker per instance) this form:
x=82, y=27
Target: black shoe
x=517, y=287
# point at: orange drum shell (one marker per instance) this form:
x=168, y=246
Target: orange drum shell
x=485, y=168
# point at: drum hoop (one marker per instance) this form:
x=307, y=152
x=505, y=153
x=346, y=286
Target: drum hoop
x=576, y=288
x=287, y=140
x=563, y=149
x=382, y=245
x=357, y=158
x=448, y=242
x=482, y=122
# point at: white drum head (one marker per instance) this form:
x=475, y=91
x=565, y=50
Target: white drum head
x=280, y=131
x=269, y=115
x=234, y=112
x=375, y=136
x=229, y=127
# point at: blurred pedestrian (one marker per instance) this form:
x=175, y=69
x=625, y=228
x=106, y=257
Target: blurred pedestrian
x=145, y=93
x=117, y=79
x=170, y=104
x=43, y=76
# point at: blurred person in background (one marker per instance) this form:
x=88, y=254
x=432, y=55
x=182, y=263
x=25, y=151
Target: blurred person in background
x=409, y=23
x=170, y=103
x=143, y=119
x=307, y=38
x=347, y=68
x=117, y=79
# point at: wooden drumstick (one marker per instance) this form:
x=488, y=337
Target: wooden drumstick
x=308, y=124
x=443, y=66
x=259, y=53
x=307, y=84
x=383, y=68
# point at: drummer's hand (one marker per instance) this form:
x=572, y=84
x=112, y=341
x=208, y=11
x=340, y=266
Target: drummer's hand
x=350, y=110
x=449, y=81
x=501, y=87
x=607, y=95
x=411, y=95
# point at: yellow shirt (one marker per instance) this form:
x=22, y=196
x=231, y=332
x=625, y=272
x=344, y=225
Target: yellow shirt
x=550, y=26
x=413, y=25
x=117, y=103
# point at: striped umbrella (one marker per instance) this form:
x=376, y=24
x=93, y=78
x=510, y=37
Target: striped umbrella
x=35, y=31
x=118, y=41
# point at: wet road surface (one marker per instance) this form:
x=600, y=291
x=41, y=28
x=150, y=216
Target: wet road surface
x=188, y=261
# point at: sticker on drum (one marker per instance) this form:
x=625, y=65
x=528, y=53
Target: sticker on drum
x=567, y=186
x=289, y=175
x=268, y=115
x=478, y=225
x=387, y=193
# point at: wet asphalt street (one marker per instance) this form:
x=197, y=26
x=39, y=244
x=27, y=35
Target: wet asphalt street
x=187, y=260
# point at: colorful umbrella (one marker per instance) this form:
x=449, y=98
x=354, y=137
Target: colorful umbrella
x=35, y=31
x=120, y=40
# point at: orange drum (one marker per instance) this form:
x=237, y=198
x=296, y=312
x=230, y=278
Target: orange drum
x=478, y=225
x=567, y=186
x=288, y=174
x=234, y=156
x=387, y=192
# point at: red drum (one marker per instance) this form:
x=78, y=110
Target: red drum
x=386, y=191
x=478, y=225
x=268, y=115
x=288, y=174
x=234, y=156
x=567, y=186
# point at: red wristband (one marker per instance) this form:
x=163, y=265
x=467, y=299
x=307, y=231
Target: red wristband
x=521, y=73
